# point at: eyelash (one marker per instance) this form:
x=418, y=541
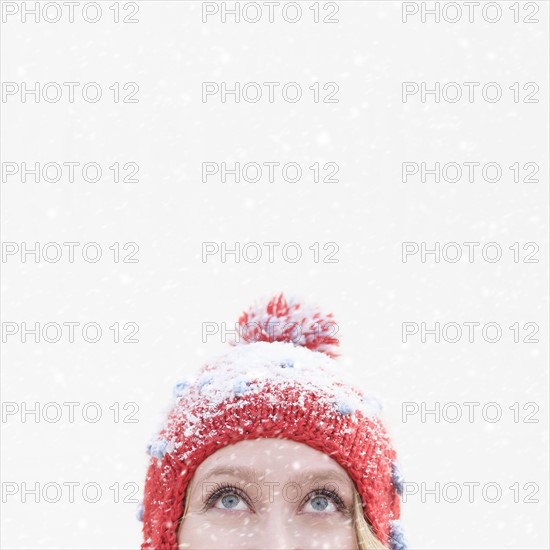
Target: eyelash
x=222, y=489
x=325, y=492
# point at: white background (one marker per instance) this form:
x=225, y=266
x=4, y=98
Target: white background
x=369, y=213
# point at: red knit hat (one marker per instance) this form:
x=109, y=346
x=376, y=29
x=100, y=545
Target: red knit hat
x=284, y=383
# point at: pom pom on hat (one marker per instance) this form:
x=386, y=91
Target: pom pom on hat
x=397, y=537
x=139, y=511
x=289, y=321
x=397, y=477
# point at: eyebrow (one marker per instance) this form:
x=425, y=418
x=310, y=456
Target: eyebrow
x=244, y=472
x=251, y=475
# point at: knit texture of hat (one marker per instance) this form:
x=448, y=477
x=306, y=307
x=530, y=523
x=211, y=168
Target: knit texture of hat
x=282, y=383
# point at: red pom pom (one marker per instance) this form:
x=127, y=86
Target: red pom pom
x=282, y=321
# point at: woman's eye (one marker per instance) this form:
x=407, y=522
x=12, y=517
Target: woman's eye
x=230, y=501
x=320, y=503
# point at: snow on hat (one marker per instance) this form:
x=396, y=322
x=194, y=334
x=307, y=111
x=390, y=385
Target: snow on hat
x=280, y=380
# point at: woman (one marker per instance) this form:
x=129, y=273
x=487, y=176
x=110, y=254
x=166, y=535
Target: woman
x=271, y=447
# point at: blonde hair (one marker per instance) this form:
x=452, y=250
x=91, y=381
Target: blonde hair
x=363, y=531
x=366, y=540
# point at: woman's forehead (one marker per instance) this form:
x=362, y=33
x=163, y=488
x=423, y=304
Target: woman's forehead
x=261, y=459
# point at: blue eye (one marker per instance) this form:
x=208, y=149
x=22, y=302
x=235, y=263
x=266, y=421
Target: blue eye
x=325, y=500
x=319, y=503
x=230, y=498
x=230, y=501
